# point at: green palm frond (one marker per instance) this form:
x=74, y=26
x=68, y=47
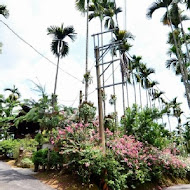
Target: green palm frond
x=80, y=5
x=64, y=48
x=4, y=11
x=155, y=6
x=59, y=46
x=70, y=32
x=171, y=63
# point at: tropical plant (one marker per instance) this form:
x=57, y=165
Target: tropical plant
x=144, y=127
x=59, y=46
x=144, y=74
x=80, y=4
x=123, y=36
x=3, y=11
x=87, y=111
x=172, y=17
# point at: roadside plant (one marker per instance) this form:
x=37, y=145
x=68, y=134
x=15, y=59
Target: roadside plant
x=87, y=111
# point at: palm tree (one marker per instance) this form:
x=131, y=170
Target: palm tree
x=123, y=48
x=150, y=89
x=177, y=112
x=4, y=11
x=156, y=95
x=109, y=14
x=175, y=18
x=136, y=74
x=11, y=101
x=144, y=73
x=80, y=4
x=59, y=46
x=15, y=94
x=169, y=13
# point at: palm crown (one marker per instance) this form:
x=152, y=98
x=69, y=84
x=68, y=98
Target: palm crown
x=59, y=46
x=4, y=11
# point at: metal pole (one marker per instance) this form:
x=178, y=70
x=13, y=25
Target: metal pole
x=100, y=109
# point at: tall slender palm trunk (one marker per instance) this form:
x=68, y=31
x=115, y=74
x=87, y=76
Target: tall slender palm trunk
x=180, y=61
x=140, y=94
x=149, y=100
x=87, y=38
x=169, y=123
x=146, y=97
x=185, y=40
x=103, y=79
x=113, y=80
x=134, y=88
x=57, y=69
x=127, y=92
x=123, y=94
x=125, y=14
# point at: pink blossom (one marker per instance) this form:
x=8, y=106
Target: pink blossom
x=86, y=125
x=69, y=129
x=87, y=164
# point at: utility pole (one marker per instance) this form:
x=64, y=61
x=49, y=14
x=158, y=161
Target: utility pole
x=100, y=109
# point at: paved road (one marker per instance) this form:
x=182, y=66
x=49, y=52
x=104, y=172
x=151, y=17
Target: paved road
x=19, y=179
x=179, y=187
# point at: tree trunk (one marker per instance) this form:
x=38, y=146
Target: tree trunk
x=180, y=61
x=169, y=123
x=123, y=94
x=125, y=15
x=100, y=111
x=113, y=77
x=57, y=70
x=146, y=97
x=103, y=80
x=149, y=100
x=184, y=36
x=140, y=95
x=134, y=87
x=127, y=89
x=87, y=33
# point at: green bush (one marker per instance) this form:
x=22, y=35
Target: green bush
x=143, y=125
x=10, y=148
x=26, y=163
x=7, y=147
x=28, y=145
x=40, y=157
x=87, y=111
x=40, y=138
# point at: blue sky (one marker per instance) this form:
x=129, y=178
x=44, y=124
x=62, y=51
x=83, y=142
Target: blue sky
x=19, y=64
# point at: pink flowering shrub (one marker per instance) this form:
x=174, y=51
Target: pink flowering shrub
x=128, y=162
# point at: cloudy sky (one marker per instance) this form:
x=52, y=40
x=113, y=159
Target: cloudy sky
x=20, y=64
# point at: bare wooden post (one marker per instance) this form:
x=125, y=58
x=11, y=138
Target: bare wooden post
x=100, y=110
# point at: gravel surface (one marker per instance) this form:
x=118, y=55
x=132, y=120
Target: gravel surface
x=19, y=179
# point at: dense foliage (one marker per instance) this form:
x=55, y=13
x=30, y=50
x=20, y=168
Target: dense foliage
x=143, y=124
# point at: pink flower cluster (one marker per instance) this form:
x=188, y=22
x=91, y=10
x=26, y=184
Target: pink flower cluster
x=135, y=154
x=130, y=152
